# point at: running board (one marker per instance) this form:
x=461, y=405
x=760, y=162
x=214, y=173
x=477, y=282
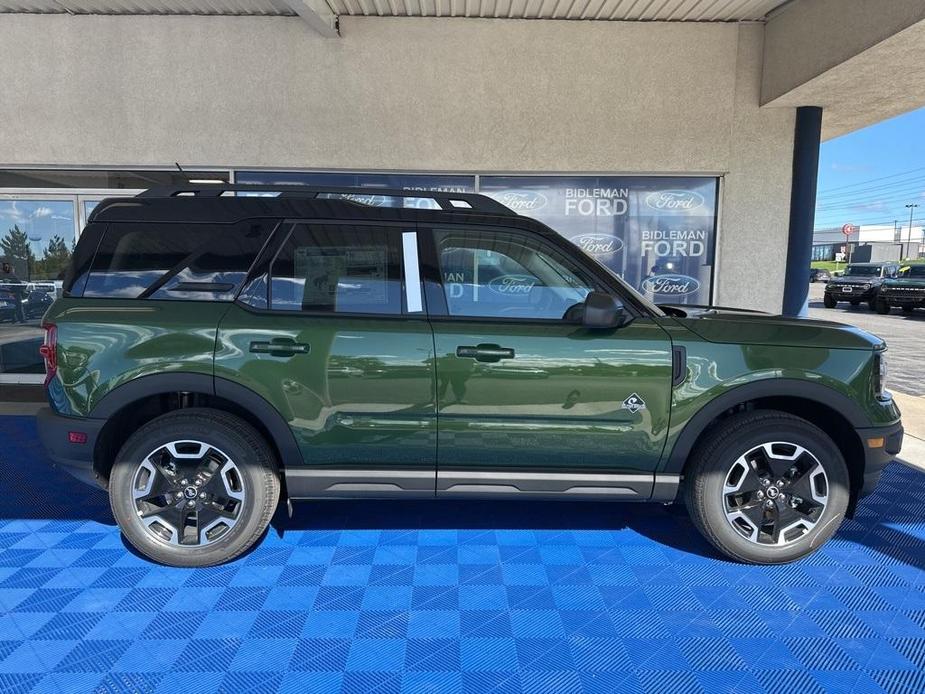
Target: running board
x=566, y=485
x=318, y=483
x=315, y=483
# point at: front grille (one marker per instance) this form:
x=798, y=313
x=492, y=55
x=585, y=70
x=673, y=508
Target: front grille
x=905, y=291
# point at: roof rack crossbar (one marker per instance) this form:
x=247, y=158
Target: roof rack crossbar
x=448, y=201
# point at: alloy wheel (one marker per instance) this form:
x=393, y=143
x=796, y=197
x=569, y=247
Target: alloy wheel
x=775, y=493
x=188, y=493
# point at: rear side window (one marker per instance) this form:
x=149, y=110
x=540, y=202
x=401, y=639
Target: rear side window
x=175, y=261
x=334, y=268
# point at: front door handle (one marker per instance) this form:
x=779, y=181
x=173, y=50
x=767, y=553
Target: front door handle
x=484, y=352
x=280, y=347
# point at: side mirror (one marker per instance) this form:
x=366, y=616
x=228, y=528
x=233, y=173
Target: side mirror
x=602, y=311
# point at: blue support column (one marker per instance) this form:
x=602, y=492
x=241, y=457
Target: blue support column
x=802, y=208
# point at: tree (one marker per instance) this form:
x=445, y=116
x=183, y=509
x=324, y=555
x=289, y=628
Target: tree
x=55, y=259
x=15, y=245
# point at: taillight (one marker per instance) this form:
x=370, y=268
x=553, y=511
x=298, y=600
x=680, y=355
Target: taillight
x=49, y=351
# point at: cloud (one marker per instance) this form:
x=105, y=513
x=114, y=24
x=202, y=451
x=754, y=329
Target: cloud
x=875, y=205
x=850, y=168
x=41, y=212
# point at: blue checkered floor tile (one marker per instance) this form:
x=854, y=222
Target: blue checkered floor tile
x=377, y=597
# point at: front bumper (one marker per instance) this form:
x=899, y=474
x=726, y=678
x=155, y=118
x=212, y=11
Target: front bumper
x=877, y=457
x=74, y=458
x=840, y=294
x=915, y=300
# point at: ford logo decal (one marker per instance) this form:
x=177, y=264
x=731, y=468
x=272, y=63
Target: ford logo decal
x=671, y=285
x=512, y=285
x=598, y=245
x=521, y=200
x=363, y=199
x=674, y=200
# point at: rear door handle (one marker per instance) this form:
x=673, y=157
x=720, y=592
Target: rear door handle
x=485, y=352
x=281, y=347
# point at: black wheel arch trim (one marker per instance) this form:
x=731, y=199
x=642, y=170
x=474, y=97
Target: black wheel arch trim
x=159, y=384
x=764, y=388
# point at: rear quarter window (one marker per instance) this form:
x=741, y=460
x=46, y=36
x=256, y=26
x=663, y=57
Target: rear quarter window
x=175, y=261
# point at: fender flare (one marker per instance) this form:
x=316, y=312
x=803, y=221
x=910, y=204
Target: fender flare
x=764, y=388
x=159, y=384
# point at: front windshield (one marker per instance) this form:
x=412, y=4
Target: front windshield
x=916, y=271
x=863, y=270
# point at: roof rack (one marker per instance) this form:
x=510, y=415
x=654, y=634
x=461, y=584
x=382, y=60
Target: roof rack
x=449, y=202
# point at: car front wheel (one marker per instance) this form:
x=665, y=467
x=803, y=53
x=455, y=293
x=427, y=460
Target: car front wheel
x=882, y=308
x=829, y=301
x=194, y=487
x=766, y=487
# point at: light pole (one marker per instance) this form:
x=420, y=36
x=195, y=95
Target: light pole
x=911, y=207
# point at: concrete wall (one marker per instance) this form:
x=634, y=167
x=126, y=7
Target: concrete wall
x=414, y=94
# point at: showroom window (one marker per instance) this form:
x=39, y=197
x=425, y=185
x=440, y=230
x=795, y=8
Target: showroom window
x=333, y=268
x=657, y=233
x=36, y=242
x=507, y=274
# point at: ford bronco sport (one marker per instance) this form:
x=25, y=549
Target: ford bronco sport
x=214, y=351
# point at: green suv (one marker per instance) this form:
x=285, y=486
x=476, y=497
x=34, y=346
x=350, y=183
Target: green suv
x=906, y=291
x=215, y=350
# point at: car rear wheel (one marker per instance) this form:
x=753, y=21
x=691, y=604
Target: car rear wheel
x=194, y=487
x=766, y=487
x=882, y=308
x=829, y=301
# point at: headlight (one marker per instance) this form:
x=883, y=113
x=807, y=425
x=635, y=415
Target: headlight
x=867, y=286
x=880, y=372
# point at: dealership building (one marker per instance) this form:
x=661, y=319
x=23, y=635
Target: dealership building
x=675, y=141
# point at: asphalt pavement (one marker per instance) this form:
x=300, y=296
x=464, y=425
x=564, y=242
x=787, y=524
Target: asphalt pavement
x=904, y=334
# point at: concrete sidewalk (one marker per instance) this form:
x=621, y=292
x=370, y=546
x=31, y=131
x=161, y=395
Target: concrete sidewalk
x=913, y=411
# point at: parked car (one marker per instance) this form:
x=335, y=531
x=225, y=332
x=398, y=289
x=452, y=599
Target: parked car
x=211, y=351
x=859, y=282
x=37, y=302
x=906, y=291
x=8, y=301
x=817, y=274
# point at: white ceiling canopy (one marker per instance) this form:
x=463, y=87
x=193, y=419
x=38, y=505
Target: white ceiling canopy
x=613, y=10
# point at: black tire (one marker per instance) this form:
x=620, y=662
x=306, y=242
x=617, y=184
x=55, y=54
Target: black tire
x=254, y=474
x=882, y=308
x=908, y=309
x=872, y=304
x=829, y=301
x=714, y=459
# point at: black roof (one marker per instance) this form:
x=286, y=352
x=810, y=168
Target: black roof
x=212, y=203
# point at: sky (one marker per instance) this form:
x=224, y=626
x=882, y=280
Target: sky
x=868, y=176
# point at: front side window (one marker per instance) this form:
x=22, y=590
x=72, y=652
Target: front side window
x=508, y=274
x=332, y=268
